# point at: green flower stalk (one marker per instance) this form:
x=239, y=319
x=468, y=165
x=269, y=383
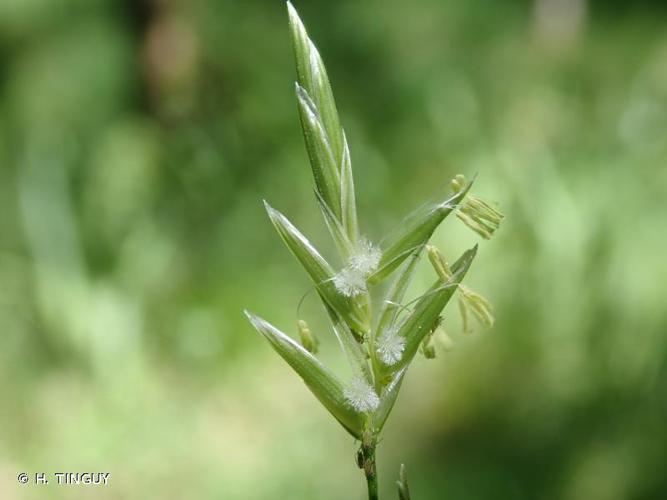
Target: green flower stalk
x=379, y=347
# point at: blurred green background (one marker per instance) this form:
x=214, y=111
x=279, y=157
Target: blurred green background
x=137, y=140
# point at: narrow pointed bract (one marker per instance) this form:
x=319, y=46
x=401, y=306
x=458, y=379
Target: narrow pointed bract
x=350, y=345
x=336, y=229
x=388, y=399
x=348, y=201
x=312, y=76
x=325, y=139
x=320, y=151
x=415, y=232
x=322, y=382
x=420, y=322
x=320, y=271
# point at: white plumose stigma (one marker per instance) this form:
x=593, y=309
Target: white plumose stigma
x=349, y=282
x=366, y=258
x=390, y=347
x=361, y=396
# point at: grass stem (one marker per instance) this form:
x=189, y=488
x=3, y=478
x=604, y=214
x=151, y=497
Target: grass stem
x=369, y=466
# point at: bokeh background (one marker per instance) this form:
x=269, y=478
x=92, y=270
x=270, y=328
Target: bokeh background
x=137, y=139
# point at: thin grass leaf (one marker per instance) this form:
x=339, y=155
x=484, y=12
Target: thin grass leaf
x=350, y=309
x=323, y=160
x=414, y=232
x=322, y=383
x=420, y=322
x=312, y=76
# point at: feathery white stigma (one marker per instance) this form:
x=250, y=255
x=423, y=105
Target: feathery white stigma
x=390, y=347
x=361, y=396
x=349, y=282
x=366, y=258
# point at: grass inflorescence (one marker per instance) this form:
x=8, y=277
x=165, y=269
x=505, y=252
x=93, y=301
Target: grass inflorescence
x=379, y=340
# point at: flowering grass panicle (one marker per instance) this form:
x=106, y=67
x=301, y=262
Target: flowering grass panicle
x=379, y=343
